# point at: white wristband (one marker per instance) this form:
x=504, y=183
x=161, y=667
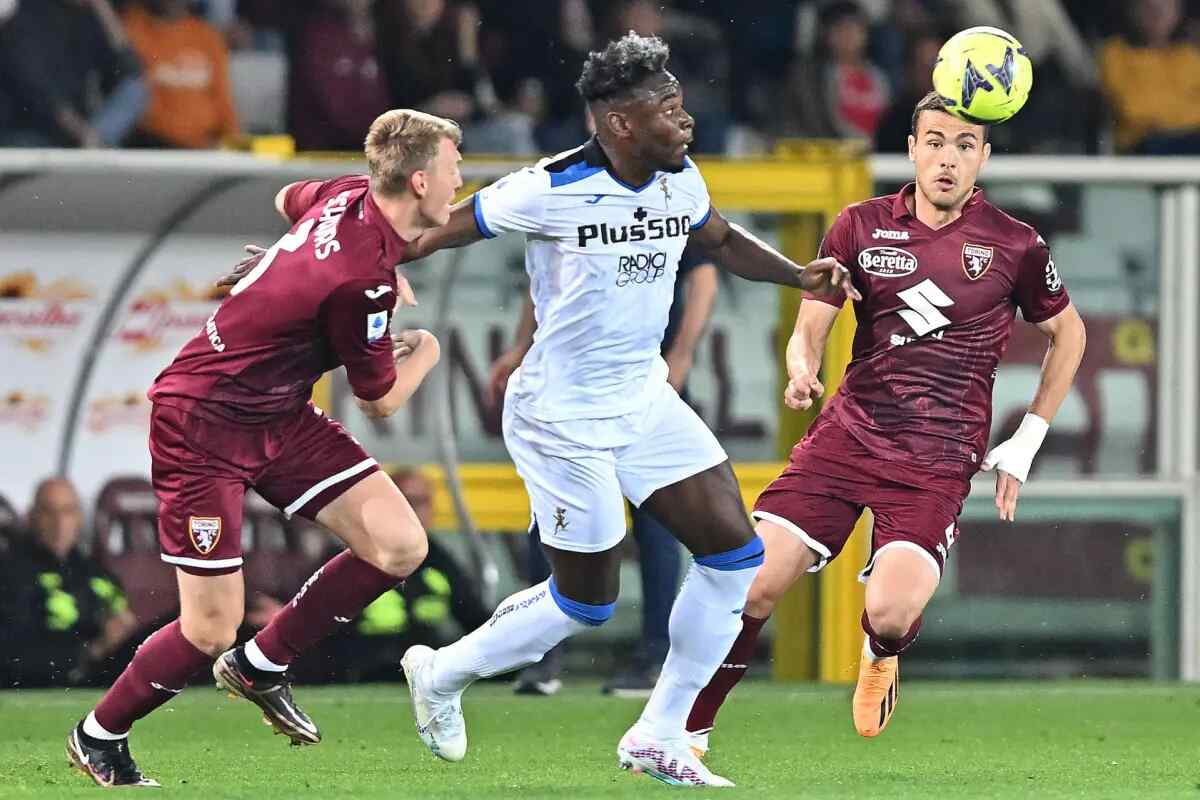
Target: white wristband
x=1015, y=455
x=1032, y=432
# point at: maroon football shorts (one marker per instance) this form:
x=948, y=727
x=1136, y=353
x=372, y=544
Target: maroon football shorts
x=201, y=468
x=829, y=480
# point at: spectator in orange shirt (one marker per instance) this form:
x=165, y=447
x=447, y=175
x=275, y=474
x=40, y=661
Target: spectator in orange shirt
x=187, y=66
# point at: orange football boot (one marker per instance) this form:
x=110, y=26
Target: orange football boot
x=876, y=694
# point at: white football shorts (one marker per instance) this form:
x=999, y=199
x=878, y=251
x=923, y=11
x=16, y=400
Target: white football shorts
x=577, y=471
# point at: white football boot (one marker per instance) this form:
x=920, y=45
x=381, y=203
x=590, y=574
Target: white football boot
x=669, y=761
x=698, y=741
x=438, y=715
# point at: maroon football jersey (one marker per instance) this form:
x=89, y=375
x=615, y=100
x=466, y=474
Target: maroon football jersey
x=320, y=298
x=933, y=324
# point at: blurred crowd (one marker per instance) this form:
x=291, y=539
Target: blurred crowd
x=81, y=587
x=1111, y=75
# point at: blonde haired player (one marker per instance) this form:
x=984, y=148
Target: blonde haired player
x=942, y=273
x=233, y=411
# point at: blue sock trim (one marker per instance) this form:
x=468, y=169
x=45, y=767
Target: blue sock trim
x=581, y=612
x=748, y=555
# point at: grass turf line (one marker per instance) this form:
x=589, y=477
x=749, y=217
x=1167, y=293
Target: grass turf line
x=1094, y=739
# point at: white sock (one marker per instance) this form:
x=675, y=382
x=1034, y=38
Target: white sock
x=868, y=653
x=95, y=730
x=260, y=661
x=524, y=628
x=705, y=620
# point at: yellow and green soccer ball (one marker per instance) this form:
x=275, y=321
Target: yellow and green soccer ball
x=983, y=74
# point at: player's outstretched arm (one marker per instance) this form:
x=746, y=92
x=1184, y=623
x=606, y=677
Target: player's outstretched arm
x=416, y=352
x=460, y=231
x=740, y=252
x=1013, y=457
x=805, y=350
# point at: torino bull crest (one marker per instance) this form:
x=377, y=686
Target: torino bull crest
x=976, y=259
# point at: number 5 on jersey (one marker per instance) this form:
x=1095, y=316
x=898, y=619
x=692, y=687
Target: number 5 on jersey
x=289, y=243
x=923, y=301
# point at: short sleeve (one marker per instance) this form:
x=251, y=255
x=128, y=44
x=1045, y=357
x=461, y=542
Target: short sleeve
x=304, y=195
x=357, y=323
x=1039, y=291
x=513, y=204
x=838, y=243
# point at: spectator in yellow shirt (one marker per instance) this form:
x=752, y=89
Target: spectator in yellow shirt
x=187, y=67
x=1151, y=79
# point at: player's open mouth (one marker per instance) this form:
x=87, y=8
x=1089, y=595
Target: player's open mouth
x=944, y=182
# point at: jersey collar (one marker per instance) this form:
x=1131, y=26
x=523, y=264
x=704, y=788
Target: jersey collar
x=900, y=202
x=594, y=154
x=393, y=244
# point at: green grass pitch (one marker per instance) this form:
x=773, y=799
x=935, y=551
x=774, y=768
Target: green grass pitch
x=1082, y=739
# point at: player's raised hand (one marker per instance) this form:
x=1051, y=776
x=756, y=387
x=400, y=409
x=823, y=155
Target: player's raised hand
x=254, y=254
x=826, y=275
x=802, y=390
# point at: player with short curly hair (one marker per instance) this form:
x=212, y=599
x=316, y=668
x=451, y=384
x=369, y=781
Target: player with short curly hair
x=589, y=416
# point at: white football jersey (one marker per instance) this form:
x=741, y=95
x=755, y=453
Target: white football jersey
x=601, y=257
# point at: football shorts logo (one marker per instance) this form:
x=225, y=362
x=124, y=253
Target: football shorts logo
x=887, y=262
x=204, y=532
x=376, y=325
x=976, y=259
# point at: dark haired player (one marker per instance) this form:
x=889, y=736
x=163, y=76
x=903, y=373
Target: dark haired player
x=590, y=416
x=942, y=273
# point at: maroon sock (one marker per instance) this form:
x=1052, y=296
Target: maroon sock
x=159, y=670
x=335, y=594
x=890, y=647
x=732, y=670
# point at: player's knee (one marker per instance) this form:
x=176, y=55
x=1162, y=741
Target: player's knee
x=763, y=596
x=891, y=620
x=211, y=634
x=401, y=555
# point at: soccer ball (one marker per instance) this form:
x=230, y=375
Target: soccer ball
x=983, y=74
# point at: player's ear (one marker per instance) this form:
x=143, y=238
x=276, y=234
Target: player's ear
x=987, y=152
x=618, y=123
x=418, y=183
x=912, y=147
